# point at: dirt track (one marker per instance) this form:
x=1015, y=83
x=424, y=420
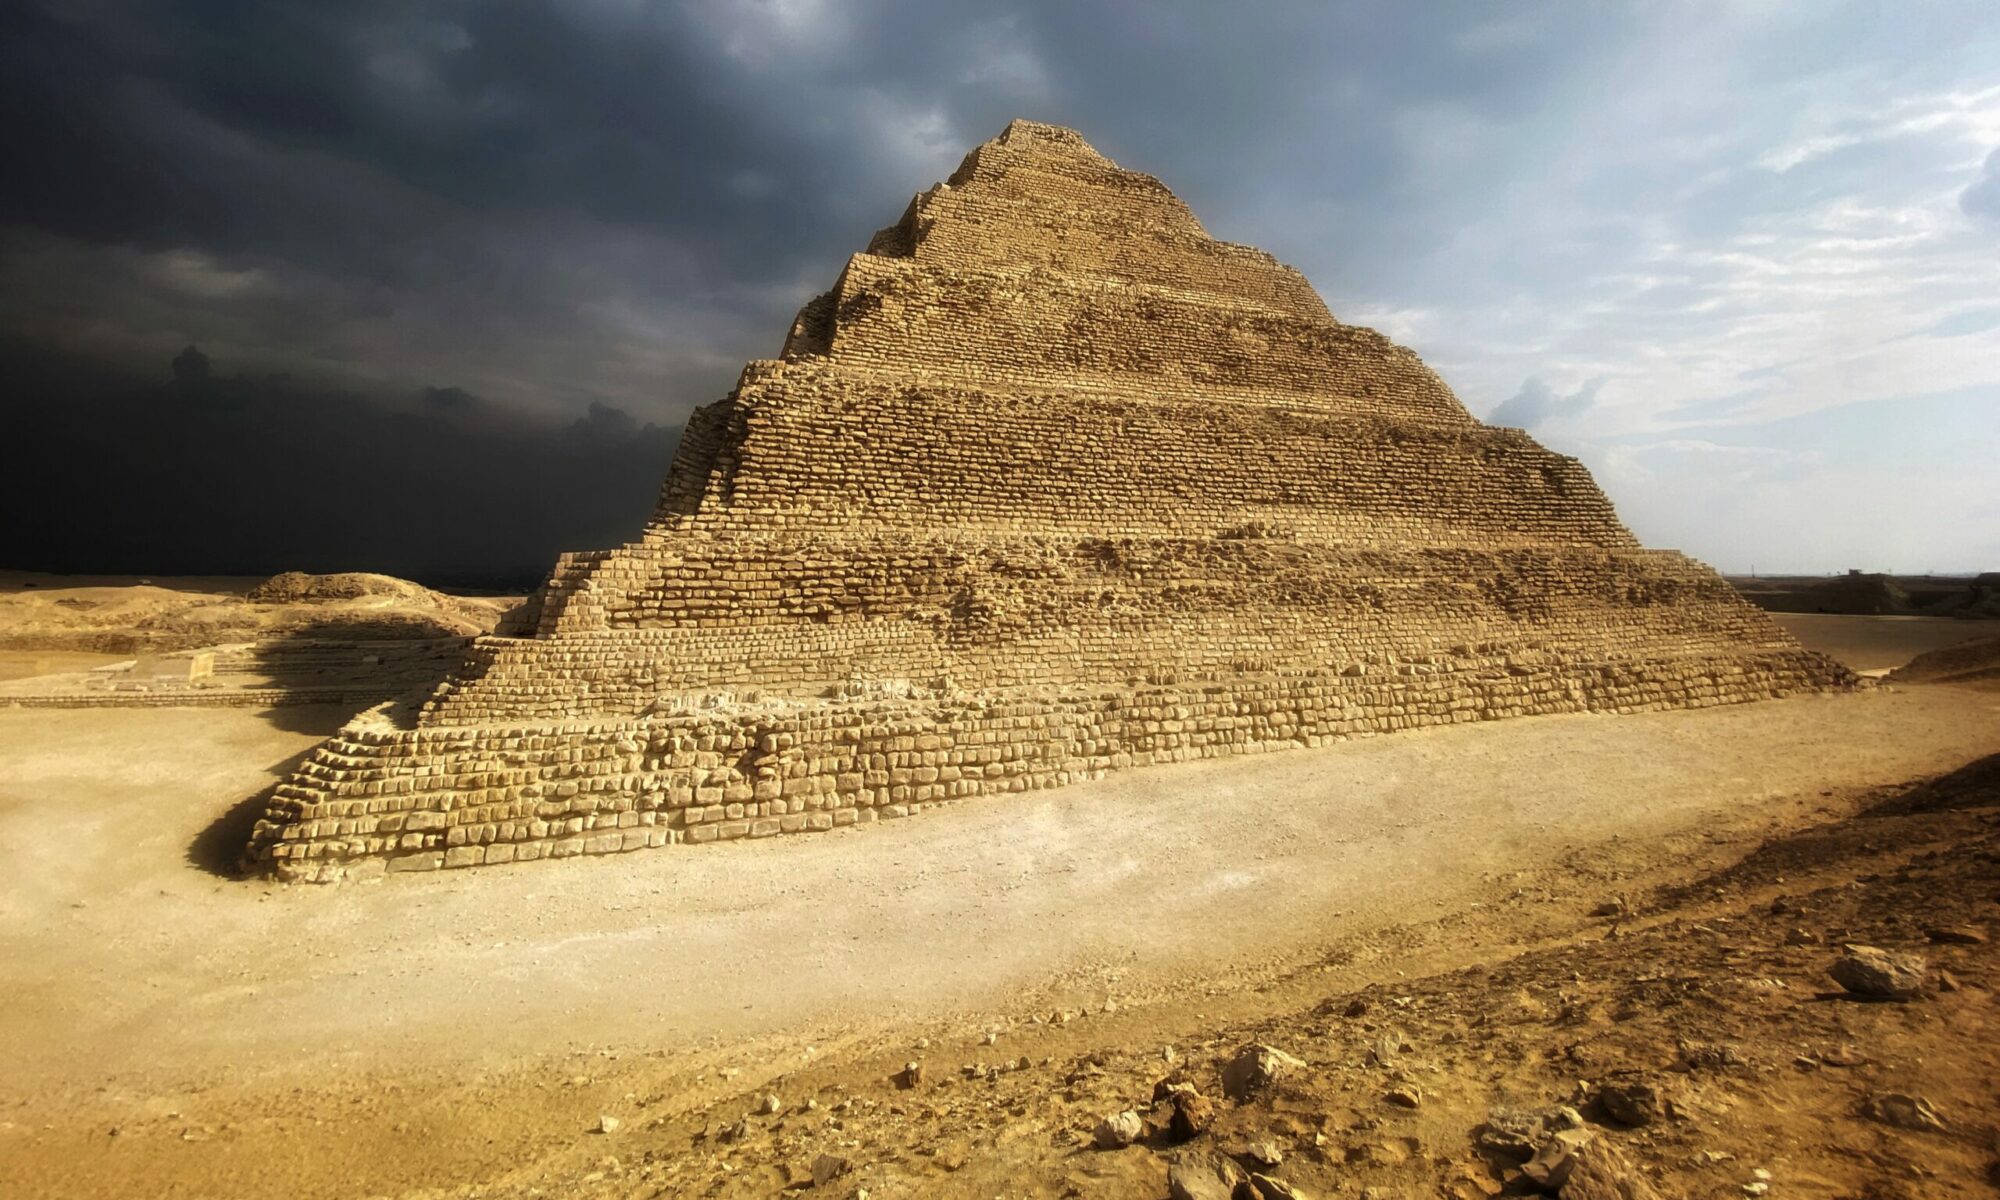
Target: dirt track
x=142, y=983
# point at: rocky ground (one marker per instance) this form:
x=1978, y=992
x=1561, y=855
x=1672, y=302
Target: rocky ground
x=1737, y=1033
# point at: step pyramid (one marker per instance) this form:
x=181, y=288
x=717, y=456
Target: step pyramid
x=1049, y=484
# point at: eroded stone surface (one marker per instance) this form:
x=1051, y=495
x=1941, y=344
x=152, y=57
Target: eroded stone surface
x=1050, y=484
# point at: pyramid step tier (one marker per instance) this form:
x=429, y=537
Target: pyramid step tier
x=812, y=446
x=806, y=618
x=1046, y=327
x=380, y=799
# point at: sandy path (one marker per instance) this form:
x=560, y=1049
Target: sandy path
x=120, y=956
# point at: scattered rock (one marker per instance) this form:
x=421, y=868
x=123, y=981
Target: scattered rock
x=1957, y=935
x=1904, y=1112
x=1512, y=1133
x=1614, y=907
x=1256, y=1068
x=1193, y=1114
x=1879, y=974
x=1265, y=1152
x=1118, y=1131
x=1633, y=1103
x=827, y=1168
x=1602, y=1172
x=1551, y=1166
x=1802, y=937
x=1405, y=1096
x=770, y=1105
x=1203, y=1177
x=1356, y=1007
x=910, y=1076
x=1712, y=1056
x=1385, y=1050
x=606, y=1123
x=1263, y=1187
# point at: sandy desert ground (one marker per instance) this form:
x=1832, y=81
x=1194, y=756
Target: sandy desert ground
x=1481, y=918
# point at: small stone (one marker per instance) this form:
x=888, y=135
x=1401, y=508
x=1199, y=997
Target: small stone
x=1512, y=1133
x=1256, y=1068
x=1802, y=937
x=1265, y=1153
x=1267, y=1188
x=1602, y=1172
x=1614, y=907
x=827, y=1168
x=1879, y=974
x=1633, y=1103
x=606, y=1123
x=770, y=1105
x=1405, y=1096
x=1904, y=1112
x=1118, y=1131
x=1385, y=1050
x=910, y=1076
x=1551, y=1166
x=1356, y=1007
x=1957, y=935
x=1203, y=1177
x=991, y=1037
x=1193, y=1112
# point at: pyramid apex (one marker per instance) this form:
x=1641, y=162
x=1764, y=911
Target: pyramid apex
x=1036, y=131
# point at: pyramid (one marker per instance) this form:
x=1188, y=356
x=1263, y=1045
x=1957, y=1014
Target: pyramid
x=1049, y=484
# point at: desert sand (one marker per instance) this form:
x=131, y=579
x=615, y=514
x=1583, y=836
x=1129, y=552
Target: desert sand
x=173, y=1030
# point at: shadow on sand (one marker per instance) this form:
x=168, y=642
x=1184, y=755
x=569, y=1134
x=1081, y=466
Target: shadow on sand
x=328, y=671
x=1886, y=818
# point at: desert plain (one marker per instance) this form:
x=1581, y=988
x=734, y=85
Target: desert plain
x=1450, y=930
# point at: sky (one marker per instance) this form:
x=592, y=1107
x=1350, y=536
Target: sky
x=456, y=272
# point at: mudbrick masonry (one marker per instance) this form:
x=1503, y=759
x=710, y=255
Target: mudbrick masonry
x=1050, y=483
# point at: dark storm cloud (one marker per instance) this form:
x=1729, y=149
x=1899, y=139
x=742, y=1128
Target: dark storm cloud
x=637, y=192
x=487, y=218
x=203, y=471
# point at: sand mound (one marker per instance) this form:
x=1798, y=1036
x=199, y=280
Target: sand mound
x=47, y=613
x=1872, y=594
x=1974, y=662
x=298, y=587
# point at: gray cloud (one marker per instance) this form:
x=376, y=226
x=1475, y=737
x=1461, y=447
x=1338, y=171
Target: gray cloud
x=1536, y=404
x=547, y=210
x=1982, y=199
